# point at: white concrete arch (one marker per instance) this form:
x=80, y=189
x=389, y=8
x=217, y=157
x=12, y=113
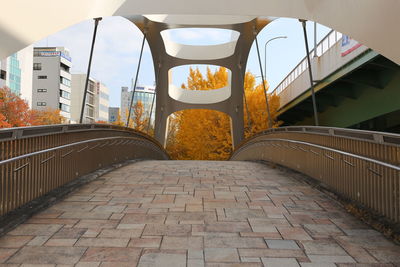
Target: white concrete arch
x=201, y=96
x=199, y=19
x=199, y=52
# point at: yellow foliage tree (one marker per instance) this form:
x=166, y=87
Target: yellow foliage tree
x=205, y=134
x=257, y=119
x=138, y=120
x=46, y=117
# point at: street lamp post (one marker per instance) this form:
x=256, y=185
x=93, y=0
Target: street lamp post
x=265, y=52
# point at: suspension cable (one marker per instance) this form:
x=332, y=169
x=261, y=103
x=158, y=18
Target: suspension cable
x=136, y=78
x=263, y=82
x=154, y=96
x=96, y=23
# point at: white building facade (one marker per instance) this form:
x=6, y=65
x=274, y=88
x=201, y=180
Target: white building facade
x=97, y=99
x=52, y=80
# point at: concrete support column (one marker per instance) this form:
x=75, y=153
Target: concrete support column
x=236, y=107
x=232, y=55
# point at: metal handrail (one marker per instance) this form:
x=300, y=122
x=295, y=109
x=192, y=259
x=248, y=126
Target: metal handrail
x=31, y=167
x=394, y=167
x=362, y=166
x=3, y=162
x=41, y=130
x=373, y=136
x=298, y=69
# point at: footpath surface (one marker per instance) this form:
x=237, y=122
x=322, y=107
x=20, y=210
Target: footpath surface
x=196, y=213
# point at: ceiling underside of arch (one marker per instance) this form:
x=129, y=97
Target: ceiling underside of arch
x=371, y=22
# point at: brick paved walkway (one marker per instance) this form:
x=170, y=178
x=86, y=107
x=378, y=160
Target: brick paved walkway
x=192, y=213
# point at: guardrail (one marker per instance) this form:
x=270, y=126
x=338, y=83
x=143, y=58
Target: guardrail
x=362, y=166
x=322, y=47
x=36, y=160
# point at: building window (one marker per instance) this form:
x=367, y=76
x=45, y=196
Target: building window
x=42, y=77
x=65, y=94
x=65, y=81
x=37, y=66
x=64, y=107
x=42, y=90
x=3, y=74
x=41, y=104
x=64, y=67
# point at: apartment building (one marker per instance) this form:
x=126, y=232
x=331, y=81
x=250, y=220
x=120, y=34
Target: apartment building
x=97, y=99
x=52, y=80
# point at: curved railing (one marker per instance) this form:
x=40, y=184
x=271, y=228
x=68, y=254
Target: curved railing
x=362, y=166
x=36, y=160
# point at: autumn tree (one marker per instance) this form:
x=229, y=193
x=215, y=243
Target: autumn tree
x=205, y=134
x=256, y=114
x=201, y=134
x=119, y=121
x=140, y=120
x=14, y=111
x=46, y=117
x=139, y=117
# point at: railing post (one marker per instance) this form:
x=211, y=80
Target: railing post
x=316, y=120
x=96, y=23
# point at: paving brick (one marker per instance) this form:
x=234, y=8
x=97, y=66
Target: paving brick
x=130, y=255
x=153, y=242
x=97, y=224
x=282, y=244
x=56, y=242
x=221, y=255
x=102, y=242
x=323, y=247
x=143, y=219
x=8, y=241
x=69, y=233
x=330, y=259
x=161, y=259
x=6, y=253
x=172, y=242
x=164, y=229
x=35, y=229
x=120, y=233
x=48, y=255
x=279, y=262
x=233, y=242
x=294, y=233
x=38, y=241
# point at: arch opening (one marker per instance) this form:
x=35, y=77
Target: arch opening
x=199, y=134
x=200, y=84
x=200, y=43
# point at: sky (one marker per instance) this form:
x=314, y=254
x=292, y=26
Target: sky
x=118, y=44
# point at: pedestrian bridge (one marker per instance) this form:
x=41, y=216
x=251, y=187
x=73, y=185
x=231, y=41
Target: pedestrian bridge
x=127, y=204
x=191, y=213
